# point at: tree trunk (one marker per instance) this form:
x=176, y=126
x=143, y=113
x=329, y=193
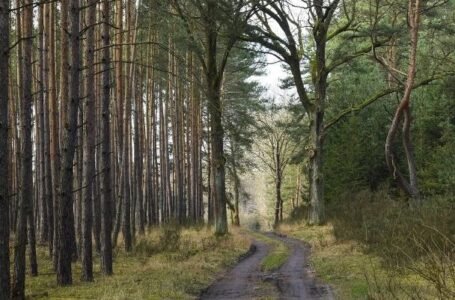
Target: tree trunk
x=138, y=159
x=403, y=112
x=89, y=146
x=106, y=179
x=126, y=205
x=218, y=161
x=316, y=213
x=44, y=219
x=4, y=153
x=214, y=77
x=278, y=201
x=54, y=149
x=236, y=183
x=79, y=180
x=26, y=195
x=210, y=198
x=66, y=220
x=164, y=180
x=316, y=139
x=236, y=198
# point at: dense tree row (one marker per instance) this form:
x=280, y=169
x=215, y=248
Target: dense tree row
x=111, y=123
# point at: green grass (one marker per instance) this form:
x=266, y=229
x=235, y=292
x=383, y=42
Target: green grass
x=179, y=274
x=276, y=257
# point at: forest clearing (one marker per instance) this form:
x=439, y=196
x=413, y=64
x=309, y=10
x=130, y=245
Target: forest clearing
x=227, y=149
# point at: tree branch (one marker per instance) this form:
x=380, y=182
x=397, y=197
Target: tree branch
x=378, y=96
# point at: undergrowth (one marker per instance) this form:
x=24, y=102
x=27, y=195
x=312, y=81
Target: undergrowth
x=378, y=248
x=166, y=264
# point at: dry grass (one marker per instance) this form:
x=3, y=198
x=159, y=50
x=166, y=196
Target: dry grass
x=178, y=273
x=342, y=265
x=356, y=273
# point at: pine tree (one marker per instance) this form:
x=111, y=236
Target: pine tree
x=26, y=195
x=4, y=153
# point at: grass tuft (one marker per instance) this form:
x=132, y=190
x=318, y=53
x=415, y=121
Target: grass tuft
x=276, y=257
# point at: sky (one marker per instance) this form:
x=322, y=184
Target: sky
x=271, y=80
x=272, y=77
x=274, y=69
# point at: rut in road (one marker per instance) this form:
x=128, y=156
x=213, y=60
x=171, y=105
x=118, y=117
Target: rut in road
x=294, y=279
x=241, y=281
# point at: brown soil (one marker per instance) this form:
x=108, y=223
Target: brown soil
x=294, y=280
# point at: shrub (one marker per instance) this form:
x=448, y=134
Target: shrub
x=170, y=238
x=146, y=247
x=411, y=241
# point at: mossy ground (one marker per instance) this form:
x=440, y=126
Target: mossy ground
x=148, y=272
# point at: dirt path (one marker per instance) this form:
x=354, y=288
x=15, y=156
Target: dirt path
x=242, y=281
x=294, y=280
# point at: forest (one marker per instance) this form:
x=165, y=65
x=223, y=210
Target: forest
x=227, y=149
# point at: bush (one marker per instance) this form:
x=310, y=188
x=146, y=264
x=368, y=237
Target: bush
x=170, y=238
x=418, y=242
x=166, y=239
x=145, y=247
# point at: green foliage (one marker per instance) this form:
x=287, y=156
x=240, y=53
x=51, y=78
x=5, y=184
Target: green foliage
x=355, y=145
x=354, y=150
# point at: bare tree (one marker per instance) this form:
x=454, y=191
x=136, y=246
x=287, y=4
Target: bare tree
x=275, y=152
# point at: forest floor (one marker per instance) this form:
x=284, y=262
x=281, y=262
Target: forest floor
x=193, y=263
x=277, y=269
x=169, y=264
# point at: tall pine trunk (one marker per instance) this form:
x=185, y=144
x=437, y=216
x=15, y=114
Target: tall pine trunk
x=44, y=219
x=89, y=146
x=26, y=195
x=106, y=179
x=54, y=149
x=4, y=153
x=66, y=219
x=214, y=78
